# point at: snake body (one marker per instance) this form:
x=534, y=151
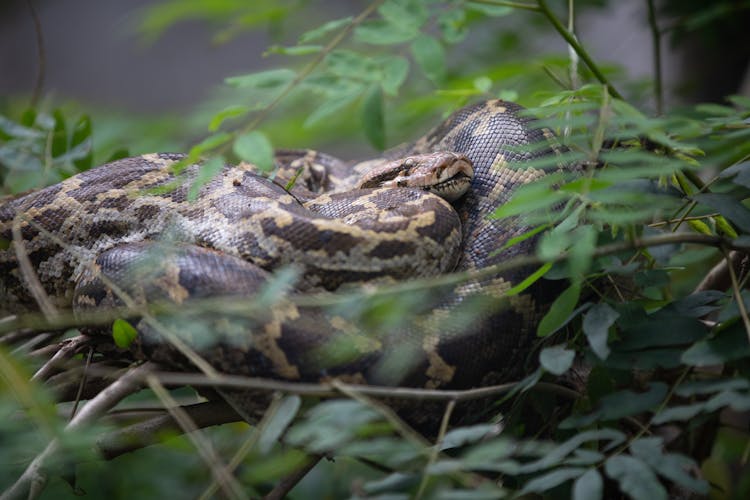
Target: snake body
x=96, y=232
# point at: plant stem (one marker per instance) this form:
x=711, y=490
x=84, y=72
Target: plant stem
x=570, y=38
x=656, y=41
x=513, y=5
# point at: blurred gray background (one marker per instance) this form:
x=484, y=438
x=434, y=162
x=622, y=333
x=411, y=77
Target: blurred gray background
x=95, y=54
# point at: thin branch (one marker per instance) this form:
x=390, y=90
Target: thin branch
x=512, y=5
x=718, y=277
x=34, y=476
x=570, y=38
x=737, y=293
x=656, y=44
x=285, y=486
x=147, y=432
x=41, y=56
x=435, y=451
x=82, y=384
x=65, y=350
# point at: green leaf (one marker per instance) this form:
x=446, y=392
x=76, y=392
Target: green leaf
x=296, y=50
x=353, y=65
x=123, y=333
x=430, y=56
x=395, y=69
x=269, y=79
x=557, y=454
x=678, y=413
x=321, y=31
x=635, y=478
x=209, y=143
x=560, y=311
x=728, y=206
x=330, y=106
x=82, y=137
x=461, y=436
x=740, y=172
x=672, y=466
x=452, y=24
x=694, y=387
x=551, y=479
x=408, y=15
x=581, y=252
x=283, y=416
x=59, y=143
x=529, y=197
x=596, y=324
x=373, y=121
x=228, y=112
x=556, y=359
x=728, y=345
x=254, y=147
x=13, y=129
x=490, y=10
x=620, y=404
x=529, y=280
x=589, y=486
x=380, y=32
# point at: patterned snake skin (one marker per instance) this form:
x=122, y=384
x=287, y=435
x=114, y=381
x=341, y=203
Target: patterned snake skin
x=135, y=229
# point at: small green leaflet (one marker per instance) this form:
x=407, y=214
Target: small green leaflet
x=596, y=323
x=320, y=32
x=430, y=56
x=556, y=359
x=264, y=79
x=228, y=112
x=373, y=121
x=123, y=333
x=560, y=311
x=254, y=147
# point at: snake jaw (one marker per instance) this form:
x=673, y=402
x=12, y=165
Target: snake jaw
x=445, y=174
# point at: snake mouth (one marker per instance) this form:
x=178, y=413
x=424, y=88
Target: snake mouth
x=453, y=187
x=443, y=173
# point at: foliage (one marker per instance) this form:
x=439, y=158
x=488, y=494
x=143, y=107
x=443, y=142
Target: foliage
x=640, y=376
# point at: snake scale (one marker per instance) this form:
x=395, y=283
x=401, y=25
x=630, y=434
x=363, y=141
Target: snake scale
x=134, y=226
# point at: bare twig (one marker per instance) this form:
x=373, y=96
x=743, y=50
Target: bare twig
x=718, y=277
x=656, y=44
x=577, y=47
x=285, y=486
x=82, y=383
x=737, y=293
x=66, y=349
x=435, y=451
x=42, y=58
x=145, y=433
x=513, y=5
x=34, y=476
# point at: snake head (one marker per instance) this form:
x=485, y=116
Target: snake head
x=444, y=173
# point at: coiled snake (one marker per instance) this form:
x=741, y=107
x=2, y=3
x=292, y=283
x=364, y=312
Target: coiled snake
x=136, y=226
